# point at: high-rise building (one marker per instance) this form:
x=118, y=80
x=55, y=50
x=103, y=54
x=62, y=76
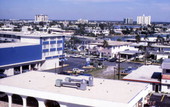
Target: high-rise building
x=128, y=21
x=82, y=21
x=41, y=18
x=144, y=20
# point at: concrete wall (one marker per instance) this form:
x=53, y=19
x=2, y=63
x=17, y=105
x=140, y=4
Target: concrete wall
x=140, y=96
x=30, y=40
x=164, y=81
x=165, y=85
x=164, y=88
x=159, y=56
x=50, y=64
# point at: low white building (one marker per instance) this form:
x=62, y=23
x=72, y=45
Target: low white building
x=106, y=32
x=39, y=87
x=96, y=31
x=157, y=76
x=165, y=81
x=147, y=74
x=114, y=47
x=158, y=51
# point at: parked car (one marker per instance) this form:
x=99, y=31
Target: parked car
x=3, y=75
x=16, y=72
x=63, y=59
x=26, y=70
x=121, y=60
x=103, y=59
x=112, y=60
x=65, y=73
x=76, y=56
x=128, y=70
x=77, y=70
x=85, y=74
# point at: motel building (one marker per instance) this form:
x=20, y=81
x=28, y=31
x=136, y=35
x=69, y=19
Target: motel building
x=157, y=76
x=30, y=51
x=44, y=89
x=113, y=48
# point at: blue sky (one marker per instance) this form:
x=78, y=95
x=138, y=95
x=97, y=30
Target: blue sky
x=114, y=10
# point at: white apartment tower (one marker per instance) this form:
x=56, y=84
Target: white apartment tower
x=144, y=20
x=41, y=18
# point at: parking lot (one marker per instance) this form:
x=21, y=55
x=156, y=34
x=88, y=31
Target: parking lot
x=80, y=62
x=159, y=100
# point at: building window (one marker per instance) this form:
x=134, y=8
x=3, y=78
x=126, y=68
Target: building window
x=168, y=71
x=52, y=45
x=46, y=46
x=168, y=87
x=52, y=53
x=59, y=45
x=45, y=54
x=59, y=52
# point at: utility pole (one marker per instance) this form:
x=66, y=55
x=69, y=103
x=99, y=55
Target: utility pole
x=119, y=67
x=62, y=65
x=63, y=58
x=55, y=69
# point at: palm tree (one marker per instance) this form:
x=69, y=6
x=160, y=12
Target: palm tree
x=141, y=48
x=160, y=40
x=105, y=44
x=145, y=50
x=167, y=38
x=146, y=37
x=138, y=38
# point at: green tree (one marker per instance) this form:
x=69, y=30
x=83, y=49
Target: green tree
x=138, y=38
x=146, y=38
x=119, y=39
x=73, y=41
x=167, y=39
x=160, y=40
x=42, y=24
x=105, y=44
x=145, y=50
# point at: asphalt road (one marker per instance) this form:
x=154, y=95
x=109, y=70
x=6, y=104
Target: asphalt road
x=80, y=62
x=123, y=64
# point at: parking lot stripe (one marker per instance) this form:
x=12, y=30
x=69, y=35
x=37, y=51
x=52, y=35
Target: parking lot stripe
x=162, y=98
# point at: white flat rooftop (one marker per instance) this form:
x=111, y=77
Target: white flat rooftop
x=15, y=44
x=30, y=34
x=130, y=52
x=113, y=43
x=145, y=73
x=165, y=64
x=103, y=89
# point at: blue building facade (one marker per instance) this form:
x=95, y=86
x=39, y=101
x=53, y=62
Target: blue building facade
x=12, y=55
x=38, y=51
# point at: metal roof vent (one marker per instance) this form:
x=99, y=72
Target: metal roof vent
x=80, y=84
x=88, y=82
